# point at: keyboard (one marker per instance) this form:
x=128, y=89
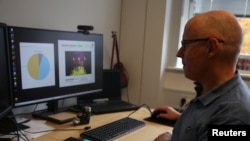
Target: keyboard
x=112, y=130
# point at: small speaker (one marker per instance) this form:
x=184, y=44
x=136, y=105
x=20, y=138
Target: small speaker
x=111, y=84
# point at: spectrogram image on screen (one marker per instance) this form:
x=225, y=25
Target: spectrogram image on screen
x=77, y=63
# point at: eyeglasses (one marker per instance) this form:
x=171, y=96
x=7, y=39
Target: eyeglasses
x=185, y=42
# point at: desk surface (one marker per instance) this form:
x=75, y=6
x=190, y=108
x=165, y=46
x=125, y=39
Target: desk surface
x=146, y=133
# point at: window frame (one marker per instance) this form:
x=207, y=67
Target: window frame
x=187, y=12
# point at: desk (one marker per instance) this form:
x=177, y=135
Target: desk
x=146, y=133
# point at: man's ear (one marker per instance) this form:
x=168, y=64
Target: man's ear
x=213, y=47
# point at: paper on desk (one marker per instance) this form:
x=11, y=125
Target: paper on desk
x=37, y=128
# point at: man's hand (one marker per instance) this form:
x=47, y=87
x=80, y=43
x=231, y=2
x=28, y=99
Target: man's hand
x=167, y=113
x=164, y=137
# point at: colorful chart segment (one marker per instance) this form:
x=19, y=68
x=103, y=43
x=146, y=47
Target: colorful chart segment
x=38, y=66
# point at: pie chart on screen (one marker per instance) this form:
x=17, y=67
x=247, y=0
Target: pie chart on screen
x=38, y=66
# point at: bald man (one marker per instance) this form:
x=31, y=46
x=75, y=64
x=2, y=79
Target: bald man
x=211, y=44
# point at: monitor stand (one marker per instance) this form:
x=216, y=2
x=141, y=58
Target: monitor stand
x=8, y=124
x=55, y=114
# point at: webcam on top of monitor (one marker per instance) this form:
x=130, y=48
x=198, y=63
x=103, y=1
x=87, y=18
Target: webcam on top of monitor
x=85, y=28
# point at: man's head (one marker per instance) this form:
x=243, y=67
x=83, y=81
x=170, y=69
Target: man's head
x=210, y=46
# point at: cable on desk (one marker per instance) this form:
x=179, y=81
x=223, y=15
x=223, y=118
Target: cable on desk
x=18, y=130
x=140, y=108
x=19, y=136
x=19, y=133
x=50, y=130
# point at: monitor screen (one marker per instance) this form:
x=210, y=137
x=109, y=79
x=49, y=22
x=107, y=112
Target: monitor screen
x=49, y=65
x=5, y=91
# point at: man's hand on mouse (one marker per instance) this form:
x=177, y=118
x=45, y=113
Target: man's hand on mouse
x=166, y=112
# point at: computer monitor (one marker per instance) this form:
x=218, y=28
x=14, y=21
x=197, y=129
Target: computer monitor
x=49, y=65
x=5, y=91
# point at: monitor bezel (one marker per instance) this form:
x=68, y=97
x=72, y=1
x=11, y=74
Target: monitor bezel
x=9, y=108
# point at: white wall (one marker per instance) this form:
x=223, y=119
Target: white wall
x=149, y=31
x=142, y=28
x=104, y=15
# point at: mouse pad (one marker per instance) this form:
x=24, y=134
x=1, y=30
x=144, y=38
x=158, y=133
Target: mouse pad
x=161, y=121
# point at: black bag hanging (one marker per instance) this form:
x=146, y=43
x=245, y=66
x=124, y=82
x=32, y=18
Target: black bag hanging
x=118, y=65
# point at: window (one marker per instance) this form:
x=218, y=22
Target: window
x=241, y=8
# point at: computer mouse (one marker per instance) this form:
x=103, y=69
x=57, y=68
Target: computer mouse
x=154, y=118
x=155, y=114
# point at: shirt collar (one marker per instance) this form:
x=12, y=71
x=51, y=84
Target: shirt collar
x=216, y=92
